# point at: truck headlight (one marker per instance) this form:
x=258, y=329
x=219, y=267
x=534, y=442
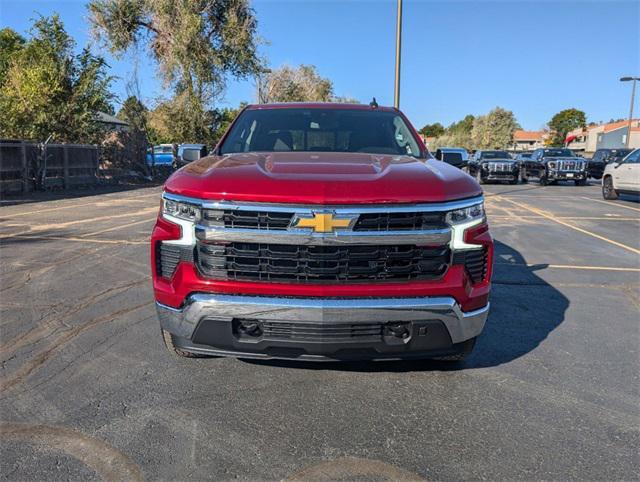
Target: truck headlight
x=181, y=210
x=552, y=165
x=466, y=215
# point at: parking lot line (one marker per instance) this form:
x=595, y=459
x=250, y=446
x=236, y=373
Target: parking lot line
x=80, y=240
x=45, y=227
x=571, y=226
x=76, y=205
x=567, y=218
x=610, y=203
x=568, y=266
x=115, y=228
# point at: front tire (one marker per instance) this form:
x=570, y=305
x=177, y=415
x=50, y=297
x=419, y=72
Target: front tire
x=544, y=181
x=467, y=349
x=479, y=177
x=175, y=351
x=608, y=191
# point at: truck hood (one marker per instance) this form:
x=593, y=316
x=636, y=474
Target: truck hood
x=321, y=178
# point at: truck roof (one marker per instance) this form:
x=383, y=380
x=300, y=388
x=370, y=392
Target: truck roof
x=318, y=105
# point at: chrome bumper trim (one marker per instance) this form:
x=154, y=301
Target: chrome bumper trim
x=309, y=209
x=301, y=237
x=461, y=325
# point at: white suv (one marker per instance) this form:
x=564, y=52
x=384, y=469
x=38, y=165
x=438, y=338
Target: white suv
x=622, y=177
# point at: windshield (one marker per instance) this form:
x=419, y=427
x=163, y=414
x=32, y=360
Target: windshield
x=454, y=157
x=191, y=154
x=558, y=153
x=618, y=153
x=321, y=130
x=495, y=155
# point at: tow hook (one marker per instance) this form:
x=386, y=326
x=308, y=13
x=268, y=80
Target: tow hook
x=250, y=328
x=397, y=333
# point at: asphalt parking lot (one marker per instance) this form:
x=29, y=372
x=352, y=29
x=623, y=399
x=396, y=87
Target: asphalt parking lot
x=87, y=390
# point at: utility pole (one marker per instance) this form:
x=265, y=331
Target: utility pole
x=633, y=95
x=396, y=96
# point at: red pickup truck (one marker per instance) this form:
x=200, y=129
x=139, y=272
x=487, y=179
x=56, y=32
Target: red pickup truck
x=321, y=232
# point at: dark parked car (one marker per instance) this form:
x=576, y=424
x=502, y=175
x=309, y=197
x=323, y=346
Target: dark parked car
x=522, y=157
x=456, y=156
x=494, y=166
x=602, y=157
x=550, y=165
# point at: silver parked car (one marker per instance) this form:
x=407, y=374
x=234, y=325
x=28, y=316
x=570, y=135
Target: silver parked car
x=622, y=177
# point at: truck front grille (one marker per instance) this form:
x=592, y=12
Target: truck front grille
x=475, y=261
x=321, y=264
x=570, y=165
x=280, y=221
x=321, y=332
x=169, y=255
x=400, y=221
x=500, y=166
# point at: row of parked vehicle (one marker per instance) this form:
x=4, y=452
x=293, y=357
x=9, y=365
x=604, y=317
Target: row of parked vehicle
x=547, y=165
x=174, y=155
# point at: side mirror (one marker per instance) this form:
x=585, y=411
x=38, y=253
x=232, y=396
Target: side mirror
x=616, y=165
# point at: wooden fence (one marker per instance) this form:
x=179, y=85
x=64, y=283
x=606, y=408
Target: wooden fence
x=27, y=166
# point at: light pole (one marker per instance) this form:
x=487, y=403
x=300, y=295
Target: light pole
x=633, y=94
x=396, y=96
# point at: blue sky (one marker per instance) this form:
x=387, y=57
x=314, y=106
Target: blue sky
x=459, y=57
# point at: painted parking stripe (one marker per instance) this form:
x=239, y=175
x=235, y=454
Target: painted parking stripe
x=571, y=226
x=122, y=200
x=568, y=266
x=611, y=203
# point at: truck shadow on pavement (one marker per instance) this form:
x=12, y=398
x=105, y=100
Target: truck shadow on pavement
x=525, y=309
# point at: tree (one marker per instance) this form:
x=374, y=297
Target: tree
x=222, y=119
x=564, y=122
x=10, y=43
x=135, y=140
x=197, y=45
x=432, y=130
x=494, y=130
x=47, y=89
x=288, y=84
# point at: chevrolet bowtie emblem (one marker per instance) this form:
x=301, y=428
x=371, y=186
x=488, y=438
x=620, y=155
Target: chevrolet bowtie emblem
x=323, y=222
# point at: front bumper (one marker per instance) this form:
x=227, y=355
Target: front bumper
x=321, y=328
x=491, y=175
x=567, y=175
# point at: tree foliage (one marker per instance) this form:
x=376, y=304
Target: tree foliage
x=432, y=130
x=197, y=45
x=132, y=144
x=494, y=130
x=10, y=43
x=47, y=89
x=564, y=122
x=458, y=134
x=288, y=84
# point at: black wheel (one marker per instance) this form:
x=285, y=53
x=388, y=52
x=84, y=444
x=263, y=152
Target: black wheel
x=467, y=349
x=177, y=352
x=479, y=176
x=544, y=181
x=608, y=191
x=580, y=182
